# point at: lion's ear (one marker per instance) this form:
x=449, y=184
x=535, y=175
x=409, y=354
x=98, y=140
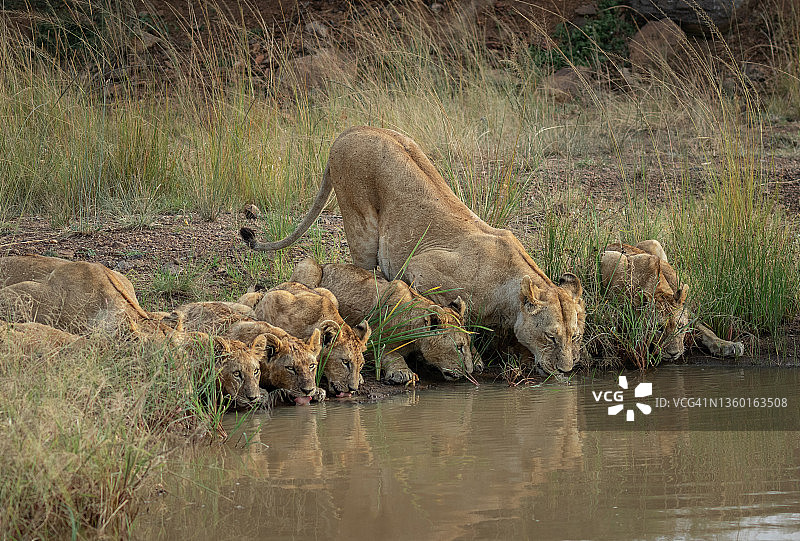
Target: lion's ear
x=222, y=346
x=330, y=330
x=571, y=283
x=435, y=318
x=259, y=345
x=681, y=294
x=459, y=306
x=529, y=292
x=314, y=341
x=363, y=331
x=270, y=345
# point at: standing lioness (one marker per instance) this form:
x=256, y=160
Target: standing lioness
x=397, y=208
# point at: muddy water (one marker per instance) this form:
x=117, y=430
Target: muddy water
x=494, y=462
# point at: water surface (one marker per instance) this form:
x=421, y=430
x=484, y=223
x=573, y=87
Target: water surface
x=460, y=462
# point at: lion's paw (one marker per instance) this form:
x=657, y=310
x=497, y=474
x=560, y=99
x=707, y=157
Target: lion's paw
x=398, y=376
x=318, y=395
x=727, y=349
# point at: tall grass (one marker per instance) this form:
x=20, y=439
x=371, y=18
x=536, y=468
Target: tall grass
x=82, y=430
x=92, y=125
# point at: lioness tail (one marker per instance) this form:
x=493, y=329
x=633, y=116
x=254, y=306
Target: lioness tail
x=324, y=193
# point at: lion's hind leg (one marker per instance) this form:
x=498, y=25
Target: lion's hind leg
x=23, y=302
x=363, y=237
x=653, y=247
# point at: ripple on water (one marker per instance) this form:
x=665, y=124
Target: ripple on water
x=493, y=462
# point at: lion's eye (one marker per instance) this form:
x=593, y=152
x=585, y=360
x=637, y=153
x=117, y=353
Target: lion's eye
x=237, y=374
x=551, y=337
x=291, y=370
x=313, y=366
x=257, y=371
x=346, y=364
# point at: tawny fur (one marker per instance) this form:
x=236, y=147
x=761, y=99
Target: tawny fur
x=401, y=215
x=211, y=317
x=288, y=362
x=73, y=296
x=37, y=339
x=359, y=291
x=237, y=364
x=300, y=311
x=642, y=272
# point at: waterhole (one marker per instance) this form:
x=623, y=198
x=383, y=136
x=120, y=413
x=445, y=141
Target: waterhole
x=493, y=462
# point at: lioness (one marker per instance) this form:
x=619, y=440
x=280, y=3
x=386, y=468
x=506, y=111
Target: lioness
x=288, y=363
x=359, y=291
x=642, y=271
x=73, y=296
x=399, y=213
x=300, y=310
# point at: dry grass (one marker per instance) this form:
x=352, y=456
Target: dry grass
x=82, y=431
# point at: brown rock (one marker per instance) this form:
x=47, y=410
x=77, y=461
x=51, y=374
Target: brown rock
x=695, y=16
x=567, y=83
x=315, y=71
x=146, y=41
x=658, y=45
x=317, y=29
x=124, y=265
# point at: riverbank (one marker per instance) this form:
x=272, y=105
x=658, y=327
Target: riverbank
x=138, y=152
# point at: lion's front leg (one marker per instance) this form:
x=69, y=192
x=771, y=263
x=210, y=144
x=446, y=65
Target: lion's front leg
x=716, y=345
x=395, y=370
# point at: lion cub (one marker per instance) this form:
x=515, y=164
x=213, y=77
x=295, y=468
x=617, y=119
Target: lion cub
x=287, y=362
x=643, y=271
x=237, y=365
x=213, y=317
x=300, y=311
x=359, y=291
x=37, y=339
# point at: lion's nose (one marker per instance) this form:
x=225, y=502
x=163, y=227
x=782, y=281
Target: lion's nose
x=565, y=365
x=308, y=390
